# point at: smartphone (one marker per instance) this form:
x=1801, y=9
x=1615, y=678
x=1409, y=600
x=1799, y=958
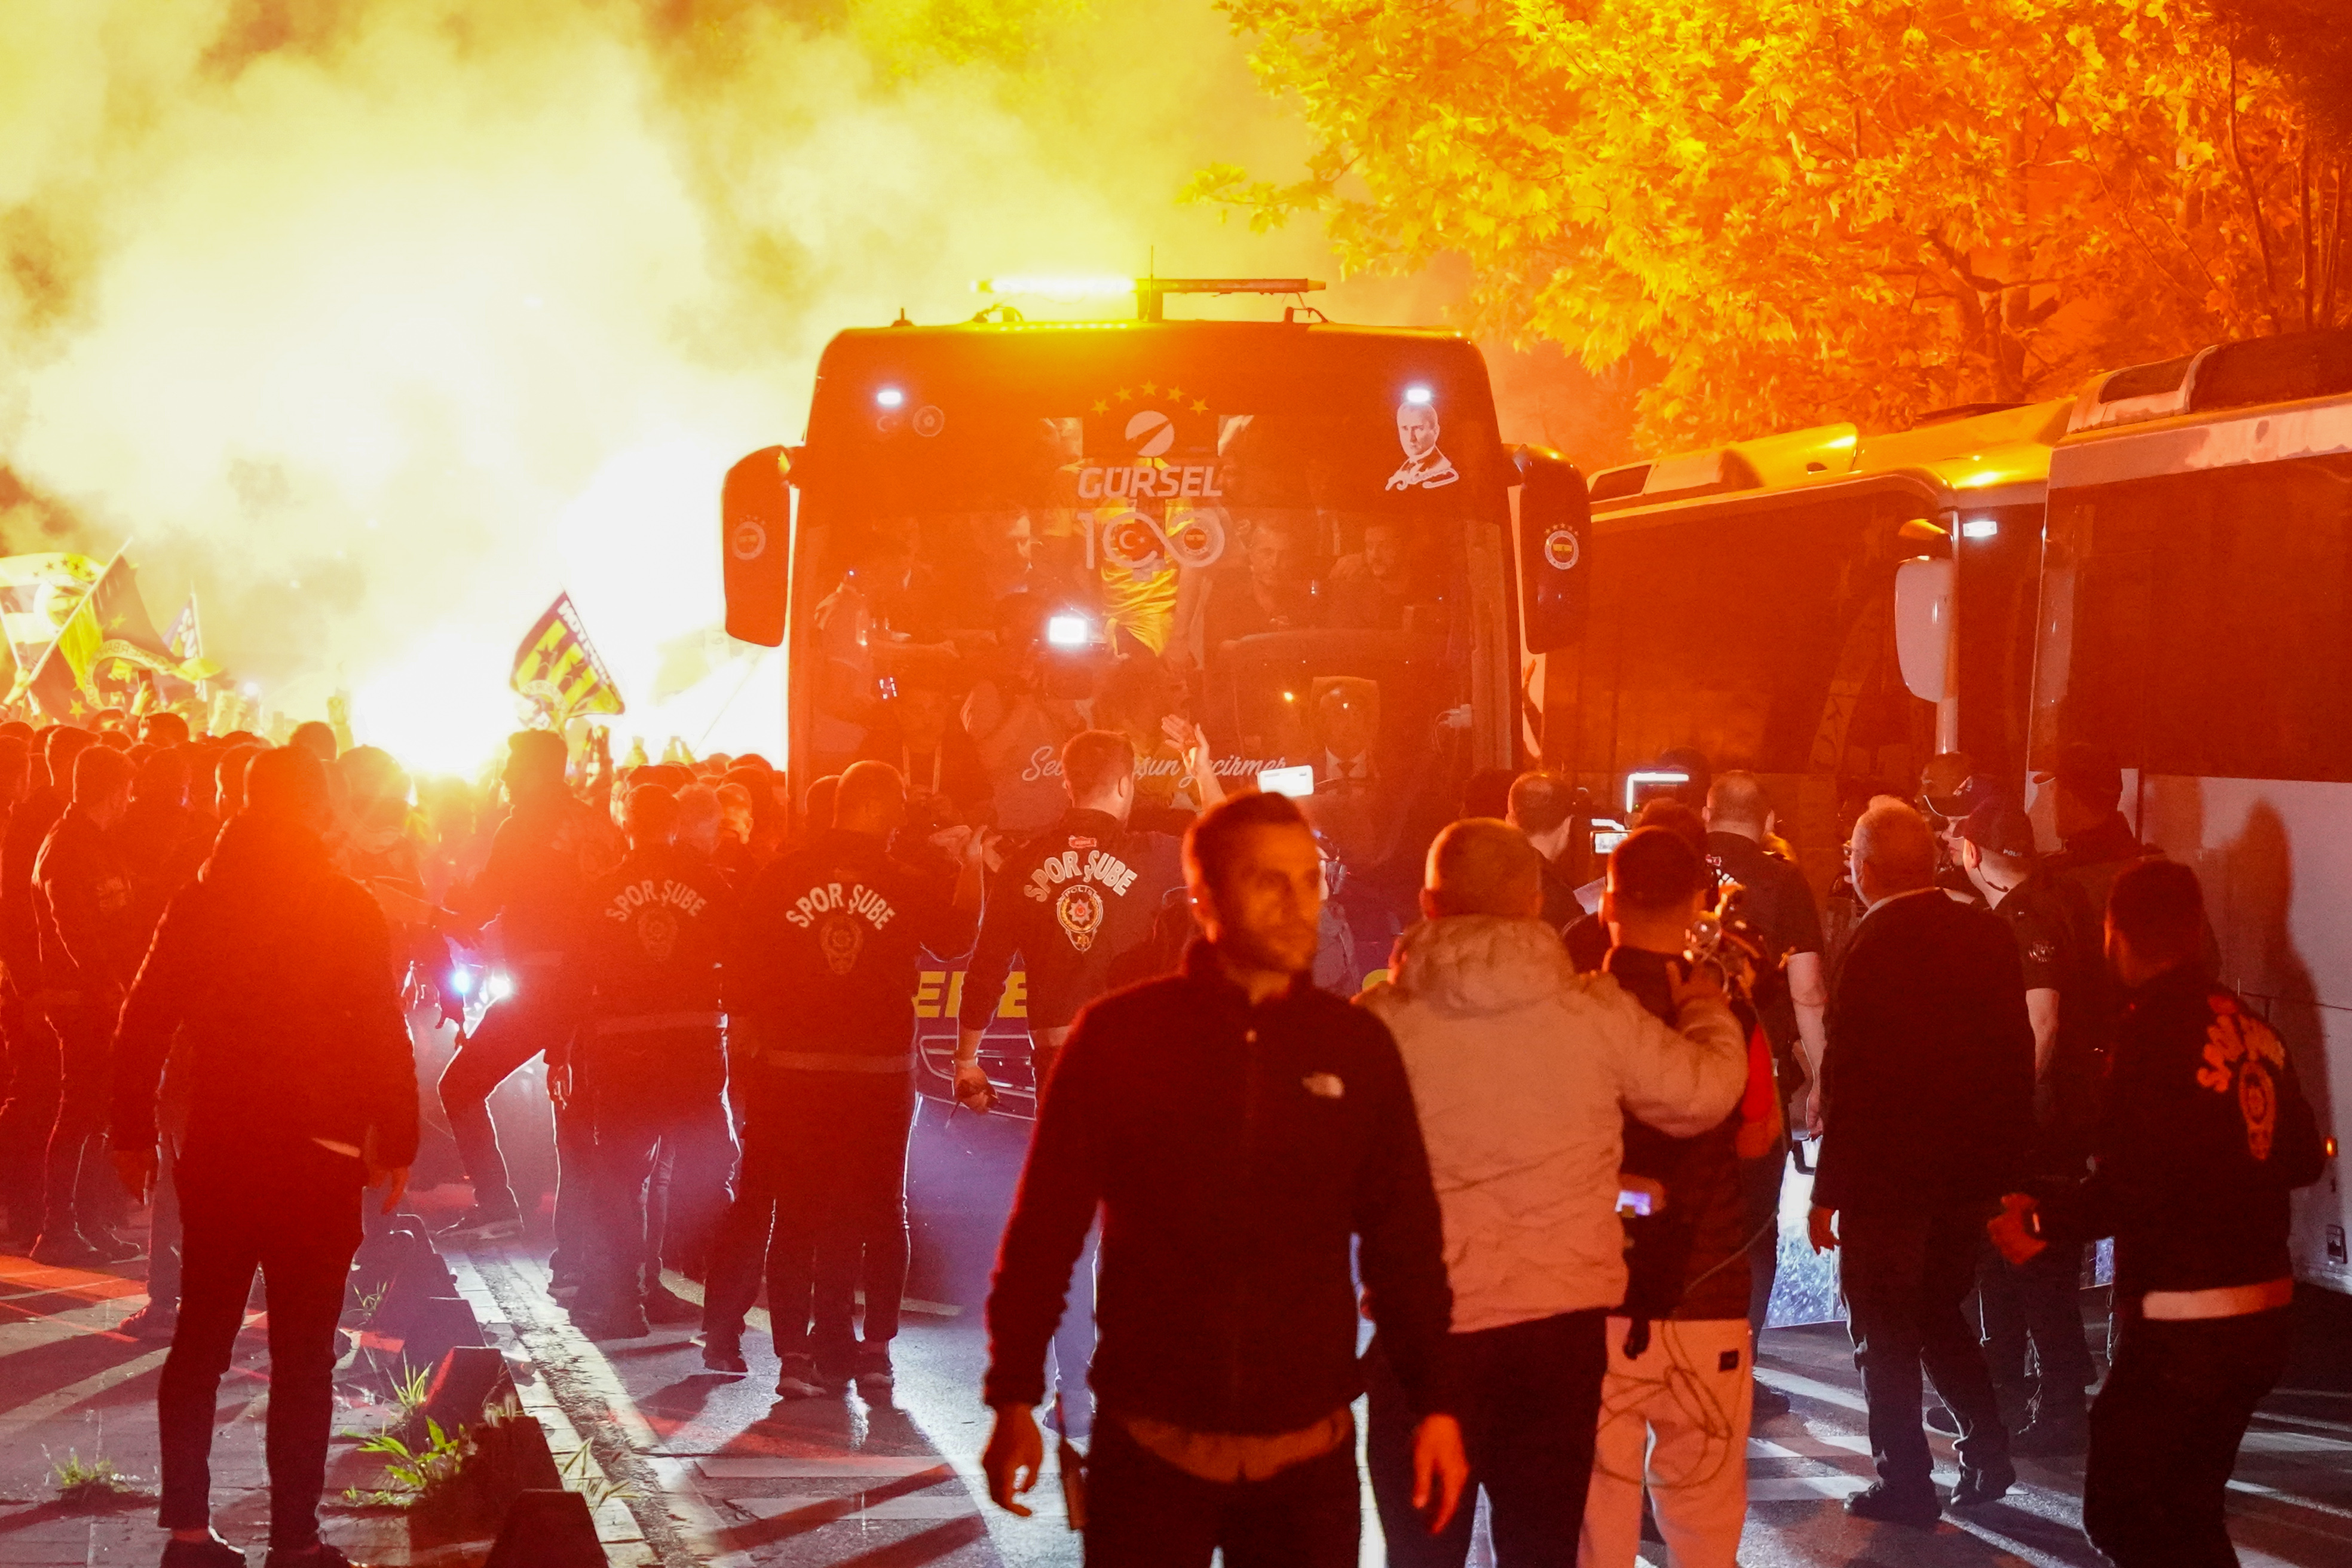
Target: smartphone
x=1297, y=782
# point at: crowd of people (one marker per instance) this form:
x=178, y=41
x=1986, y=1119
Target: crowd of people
x=1543, y=1154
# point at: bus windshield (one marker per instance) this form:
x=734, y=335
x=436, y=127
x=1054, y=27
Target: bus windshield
x=1214, y=570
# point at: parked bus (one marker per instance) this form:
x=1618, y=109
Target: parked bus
x=2196, y=625
x=2160, y=567
x=1295, y=536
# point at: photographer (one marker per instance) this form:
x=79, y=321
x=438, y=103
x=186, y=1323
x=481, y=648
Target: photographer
x=2205, y=1133
x=1790, y=1003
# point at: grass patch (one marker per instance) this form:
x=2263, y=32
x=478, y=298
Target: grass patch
x=92, y=1483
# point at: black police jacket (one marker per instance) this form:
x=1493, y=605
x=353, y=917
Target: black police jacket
x=822, y=971
x=2205, y=1131
x=1235, y=1151
x=1069, y=901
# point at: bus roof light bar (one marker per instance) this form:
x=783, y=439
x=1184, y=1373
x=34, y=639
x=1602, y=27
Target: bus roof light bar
x=1151, y=293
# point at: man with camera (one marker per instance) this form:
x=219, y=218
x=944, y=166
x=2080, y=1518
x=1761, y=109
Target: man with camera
x=2204, y=1135
x=1240, y=1132
x=1791, y=1000
x=1927, y=1109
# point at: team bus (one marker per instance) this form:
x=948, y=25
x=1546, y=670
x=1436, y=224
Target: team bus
x=1290, y=538
x=2160, y=567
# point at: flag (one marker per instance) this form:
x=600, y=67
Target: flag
x=37, y=593
x=105, y=653
x=556, y=668
x=185, y=641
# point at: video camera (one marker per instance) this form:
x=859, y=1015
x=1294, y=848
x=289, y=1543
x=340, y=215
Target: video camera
x=1725, y=940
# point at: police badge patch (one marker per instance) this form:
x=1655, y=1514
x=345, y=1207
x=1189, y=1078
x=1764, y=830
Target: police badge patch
x=1080, y=910
x=657, y=933
x=840, y=937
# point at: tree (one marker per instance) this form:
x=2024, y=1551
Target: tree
x=1815, y=209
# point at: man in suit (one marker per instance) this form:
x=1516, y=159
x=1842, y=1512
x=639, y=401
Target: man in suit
x=1927, y=1084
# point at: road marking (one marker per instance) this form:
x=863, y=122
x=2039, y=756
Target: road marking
x=90, y=1387
x=1806, y=1488
x=34, y=1330
x=810, y=1467
x=958, y=1506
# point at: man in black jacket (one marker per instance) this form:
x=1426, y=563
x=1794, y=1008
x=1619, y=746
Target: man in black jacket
x=89, y=947
x=1928, y=1086
x=1238, y=1129
x=1071, y=901
x=275, y=972
x=821, y=981
x=2205, y=1134
x=649, y=1066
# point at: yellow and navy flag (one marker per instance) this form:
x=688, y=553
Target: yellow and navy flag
x=556, y=668
x=37, y=593
x=106, y=652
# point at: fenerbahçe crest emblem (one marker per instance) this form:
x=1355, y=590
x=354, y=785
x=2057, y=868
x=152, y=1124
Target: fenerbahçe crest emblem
x=1080, y=910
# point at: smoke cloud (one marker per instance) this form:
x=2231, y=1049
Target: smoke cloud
x=377, y=322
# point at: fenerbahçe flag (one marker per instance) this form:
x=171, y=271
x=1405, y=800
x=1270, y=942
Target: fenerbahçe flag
x=106, y=652
x=557, y=667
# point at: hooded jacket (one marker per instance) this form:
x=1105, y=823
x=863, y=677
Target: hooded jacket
x=275, y=972
x=1522, y=1072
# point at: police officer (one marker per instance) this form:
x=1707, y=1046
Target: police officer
x=2204, y=1135
x=1070, y=902
x=822, y=976
x=2086, y=792
x=650, y=1064
x=90, y=949
x=2039, y=1301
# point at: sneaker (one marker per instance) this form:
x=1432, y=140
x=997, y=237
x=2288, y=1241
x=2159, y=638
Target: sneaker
x=1979, y=1484
x=724, y=1353
x=66, y=1249
x=1879, y=1503
x=872, y=1364
x=2051, y=1438
x=798, y=1378
x=210, y=1552
x=155, y=1321
x=664, y=1305
x=477, y=1224
x=318, y=1556
x=1766, y=1401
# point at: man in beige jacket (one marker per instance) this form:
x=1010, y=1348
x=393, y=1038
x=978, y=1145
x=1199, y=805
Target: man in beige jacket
x=1522, y=1072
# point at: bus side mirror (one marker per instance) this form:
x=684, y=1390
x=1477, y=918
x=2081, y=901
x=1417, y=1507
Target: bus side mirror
x=1923, y=625
x=755, y=509
x=1555, y=527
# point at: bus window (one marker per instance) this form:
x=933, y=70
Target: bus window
x=1999, y=552
x=1763, y=637
x=2202, y=622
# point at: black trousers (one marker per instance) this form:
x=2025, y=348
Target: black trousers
x=1906, y=1275
x=1530, y=1407
x=2165, y=1432
x=1759, y=1193
x=638, y=1126
x=2037, y=1306
x=1144, y=1512
x=511, y=1033
x=86, y=1057
x=298, y=1225
x=29, y=1108
x=822, y=1190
